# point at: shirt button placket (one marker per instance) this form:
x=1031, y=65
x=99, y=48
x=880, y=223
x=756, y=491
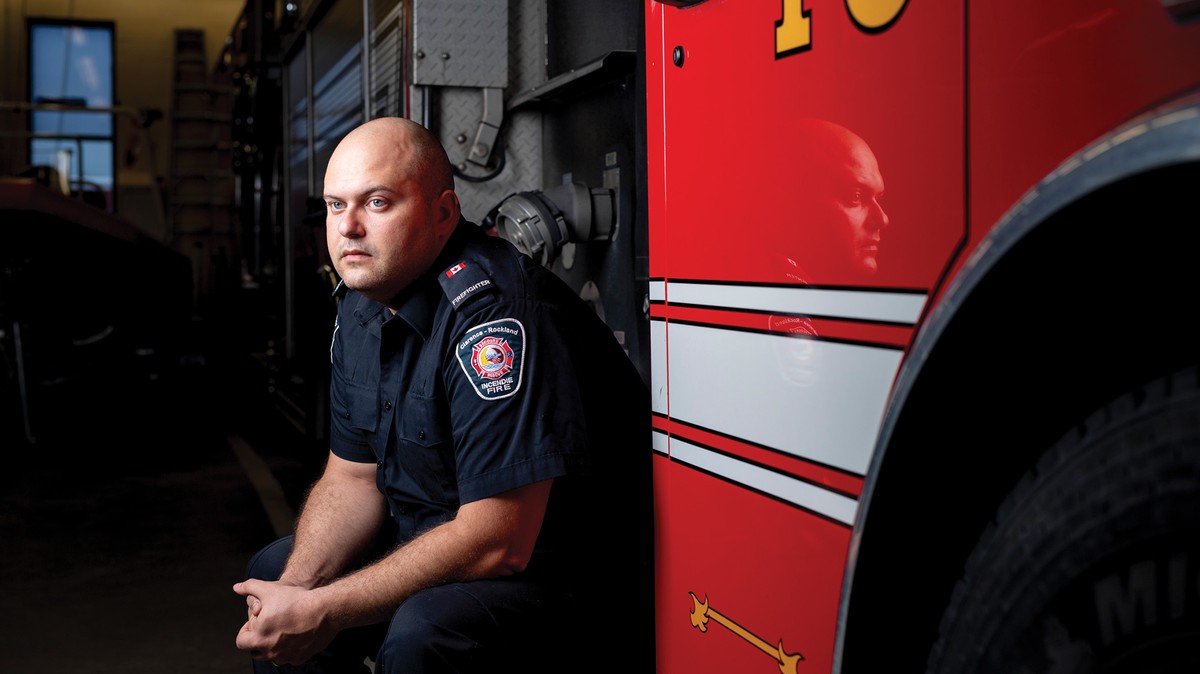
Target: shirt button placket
x=385, y=422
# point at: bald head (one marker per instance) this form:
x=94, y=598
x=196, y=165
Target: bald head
x=825, y=148
x=419, y=151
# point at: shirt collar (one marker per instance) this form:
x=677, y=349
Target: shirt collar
x=419, y=302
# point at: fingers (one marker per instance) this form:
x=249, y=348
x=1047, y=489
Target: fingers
x=253, y=605
x=264, y=633
x=247, y=640
x=254, y=643
x=248, y=587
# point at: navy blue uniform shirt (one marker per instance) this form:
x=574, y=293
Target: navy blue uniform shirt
x=492, y=375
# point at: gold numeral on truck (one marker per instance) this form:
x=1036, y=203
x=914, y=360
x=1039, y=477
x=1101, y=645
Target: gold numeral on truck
x=793, y=31
x=873, y=16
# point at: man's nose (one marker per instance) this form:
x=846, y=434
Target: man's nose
x=350, y=224
x=879, y=217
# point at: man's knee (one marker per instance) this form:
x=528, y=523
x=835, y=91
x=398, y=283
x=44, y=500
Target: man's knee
x=478, y=626
x=268, y=563
x=435, y=630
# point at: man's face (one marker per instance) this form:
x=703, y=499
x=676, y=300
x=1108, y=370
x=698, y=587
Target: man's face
x=849, y=216
x=380, y=227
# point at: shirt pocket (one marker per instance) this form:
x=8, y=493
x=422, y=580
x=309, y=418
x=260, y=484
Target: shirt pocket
x=426, y=450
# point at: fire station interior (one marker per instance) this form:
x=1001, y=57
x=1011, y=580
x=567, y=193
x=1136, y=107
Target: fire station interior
x=165, y=303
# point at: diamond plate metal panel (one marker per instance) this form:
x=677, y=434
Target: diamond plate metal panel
x=456, y=108
x=526, y=47
x=456, y=111
x=462, y=43
x=457, y=116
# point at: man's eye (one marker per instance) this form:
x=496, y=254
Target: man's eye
x=376, y=203
x=334, y=205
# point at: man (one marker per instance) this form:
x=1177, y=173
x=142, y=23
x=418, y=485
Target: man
x=836, y=240
x=487, y=431
x=838, y=214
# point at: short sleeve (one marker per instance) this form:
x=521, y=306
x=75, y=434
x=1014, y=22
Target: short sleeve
x=516, y=412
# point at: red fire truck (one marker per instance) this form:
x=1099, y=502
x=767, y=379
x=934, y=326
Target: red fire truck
x=911, y=282
x=925, y=395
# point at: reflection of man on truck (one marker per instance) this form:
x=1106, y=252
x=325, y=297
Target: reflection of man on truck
x=839, y=225
x=838, y=218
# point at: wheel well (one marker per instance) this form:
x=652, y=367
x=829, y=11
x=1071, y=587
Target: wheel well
x=1091, y=303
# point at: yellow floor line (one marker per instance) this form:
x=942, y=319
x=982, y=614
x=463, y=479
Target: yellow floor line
x=270, y=493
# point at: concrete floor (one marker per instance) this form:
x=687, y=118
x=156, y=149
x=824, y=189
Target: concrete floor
x=127, y=519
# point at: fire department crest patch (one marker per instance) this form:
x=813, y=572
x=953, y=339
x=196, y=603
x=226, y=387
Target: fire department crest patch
x=492, y=355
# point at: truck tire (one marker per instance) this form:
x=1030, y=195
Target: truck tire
x=1092, y=562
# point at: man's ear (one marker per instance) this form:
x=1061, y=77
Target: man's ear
x=446, y=211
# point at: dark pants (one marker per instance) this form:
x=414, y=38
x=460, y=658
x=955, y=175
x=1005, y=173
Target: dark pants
x=507, y=624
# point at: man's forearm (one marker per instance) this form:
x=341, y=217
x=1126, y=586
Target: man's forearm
x=338, y=523
x=489, y=538
x=371, y=594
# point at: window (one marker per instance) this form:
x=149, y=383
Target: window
x=71, y=65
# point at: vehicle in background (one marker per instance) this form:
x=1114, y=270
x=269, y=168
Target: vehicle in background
x=910, y=282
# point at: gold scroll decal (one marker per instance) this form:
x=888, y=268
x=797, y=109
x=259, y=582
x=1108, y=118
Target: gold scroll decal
x=701, y=612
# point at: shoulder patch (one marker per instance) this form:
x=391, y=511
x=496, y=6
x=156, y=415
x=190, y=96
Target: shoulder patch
x=492, y=356
x=464, y=280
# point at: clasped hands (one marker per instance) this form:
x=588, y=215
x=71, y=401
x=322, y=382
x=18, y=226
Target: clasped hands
x=285, y=624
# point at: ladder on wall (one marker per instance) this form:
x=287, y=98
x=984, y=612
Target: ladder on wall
x=200, y=206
